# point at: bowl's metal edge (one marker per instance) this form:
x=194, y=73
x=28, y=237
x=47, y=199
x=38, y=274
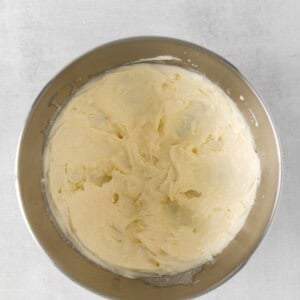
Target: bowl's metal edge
x=178, y=41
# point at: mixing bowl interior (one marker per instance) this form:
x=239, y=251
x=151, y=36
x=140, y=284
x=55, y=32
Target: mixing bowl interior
x=58, y=92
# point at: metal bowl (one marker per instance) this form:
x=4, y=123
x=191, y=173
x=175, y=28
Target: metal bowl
x=59, y=90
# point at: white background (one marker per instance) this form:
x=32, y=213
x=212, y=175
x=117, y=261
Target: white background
x=262, y=38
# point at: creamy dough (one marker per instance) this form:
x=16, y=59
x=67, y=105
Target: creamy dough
x=151, y=169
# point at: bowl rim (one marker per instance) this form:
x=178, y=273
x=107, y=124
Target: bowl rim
x=175, y=41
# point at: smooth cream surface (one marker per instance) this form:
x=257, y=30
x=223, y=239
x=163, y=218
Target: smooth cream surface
x=151, y=169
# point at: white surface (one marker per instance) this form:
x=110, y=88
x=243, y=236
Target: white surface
x=38, y=38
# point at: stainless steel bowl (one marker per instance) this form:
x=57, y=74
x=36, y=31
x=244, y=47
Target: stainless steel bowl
x=57, y=93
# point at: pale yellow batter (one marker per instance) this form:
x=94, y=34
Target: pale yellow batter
x=151, y=169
